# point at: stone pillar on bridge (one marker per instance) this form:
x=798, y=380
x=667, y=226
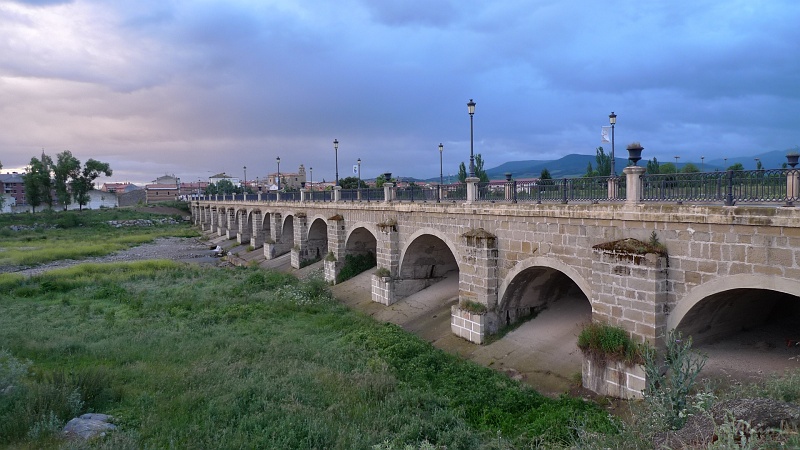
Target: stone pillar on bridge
x=257, y=233
x=334, y=261
x=630, y=288
x=792, y=186
x=389, y=192
x=633, y=184
x=613, y=188
x=243, y=236
x=222, y=221
x=213, y=223
x=388, y=259
x=337, y=193
x=207, y=218
x=275, y=230
x=300, y=248
x=472, y=189
x=303, y=195
x=232, y=228
x=475, y=316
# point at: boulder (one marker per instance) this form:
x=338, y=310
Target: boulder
x=759, y=414
x=88, y=426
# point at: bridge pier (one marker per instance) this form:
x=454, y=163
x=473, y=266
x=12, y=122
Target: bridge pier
x=388, y=260
x=475, y=316
x=300, y=247
x=222, y=225
x=257, y=234
x=336, y=241
x=230, y=229
x=275, y=228
x=213, y=220
x=243, y=236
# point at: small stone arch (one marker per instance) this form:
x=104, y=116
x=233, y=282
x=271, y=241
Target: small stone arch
x=353, y=246
x=528, y=288
x=317, y=239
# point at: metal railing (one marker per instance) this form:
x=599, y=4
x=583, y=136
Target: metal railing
x=728, y=188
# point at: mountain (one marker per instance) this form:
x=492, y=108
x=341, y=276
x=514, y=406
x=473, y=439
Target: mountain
x=575, y=165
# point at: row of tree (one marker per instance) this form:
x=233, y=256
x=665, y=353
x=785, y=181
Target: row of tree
x=66, y=178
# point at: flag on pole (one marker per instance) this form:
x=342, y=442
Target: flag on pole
x=355, y=169
x=604, y=132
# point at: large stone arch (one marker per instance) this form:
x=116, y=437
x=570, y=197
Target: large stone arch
x=287, y=232
x=317, y=239
x=535, y=284
x=734, y=286
x=361, y=238
x=426, y=258
x=433, y=232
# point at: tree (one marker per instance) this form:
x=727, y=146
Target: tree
x=667, y=168
x=737, y=166
x=2, y=195
x=66, y=169
x=462, y=173
x=545, y=177
x=689, y=168
x=352, y=183
x=603, y=162
x=759, y=166
x=479, y=172
x=653, y=166
x=37, y=182
x=84, y=182
x=590, y=172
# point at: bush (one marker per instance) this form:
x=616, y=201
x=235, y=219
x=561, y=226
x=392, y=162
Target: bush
x=609, y=343
x=354, y=265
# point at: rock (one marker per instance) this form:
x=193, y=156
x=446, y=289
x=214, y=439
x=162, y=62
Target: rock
x=761, y=414
x=88, y=426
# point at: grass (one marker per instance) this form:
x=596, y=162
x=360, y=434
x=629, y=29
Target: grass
x=52, y=236
x=192, y=357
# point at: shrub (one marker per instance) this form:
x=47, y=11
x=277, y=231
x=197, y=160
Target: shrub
x=473, y=307
x=671, y=379
x=11, y=369
x=609, y=343
x=382, y=272
x=354, y=265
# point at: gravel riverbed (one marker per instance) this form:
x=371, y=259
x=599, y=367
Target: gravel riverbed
x=177, y=249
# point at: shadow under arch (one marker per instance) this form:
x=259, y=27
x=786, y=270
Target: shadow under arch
x=361, y=239
x=705, y=290
x=428, y=258
x=535, y=283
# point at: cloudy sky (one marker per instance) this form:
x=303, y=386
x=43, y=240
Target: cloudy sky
x=196, y=87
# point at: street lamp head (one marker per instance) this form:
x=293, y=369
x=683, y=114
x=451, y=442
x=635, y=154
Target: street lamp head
x=359, y=161
x=471, y=107
x=278, y=159
x=441, y=148
x=612, y=118
x=336, y=144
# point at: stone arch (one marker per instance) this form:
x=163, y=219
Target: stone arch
x=423, y=256
x=287, y=231
x=436, y=233
x=728, y=304
x=361, y=239
x=317, y=240
x=533, y=283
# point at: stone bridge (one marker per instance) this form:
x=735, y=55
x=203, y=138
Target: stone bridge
x=705, y=270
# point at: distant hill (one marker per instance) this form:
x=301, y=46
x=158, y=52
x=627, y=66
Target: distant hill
x=574, y=165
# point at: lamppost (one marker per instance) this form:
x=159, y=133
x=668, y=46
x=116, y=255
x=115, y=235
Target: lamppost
x=758, y=160
x=311, y=177
x=676, y=162
x=441, y=177
x=359, y=178
x=279, y=172
x=336, y=151
x=612, y=119
x=471, y=109
x=245, y=178
x=726, y=163
x=702, y=164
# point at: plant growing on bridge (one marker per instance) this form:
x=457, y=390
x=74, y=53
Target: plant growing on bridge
x=472, y=306
x=354, y=265
x=382, y=272
x=605, y=342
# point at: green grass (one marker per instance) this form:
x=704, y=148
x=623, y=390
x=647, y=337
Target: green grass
x=52, y=236
x=191, y=357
